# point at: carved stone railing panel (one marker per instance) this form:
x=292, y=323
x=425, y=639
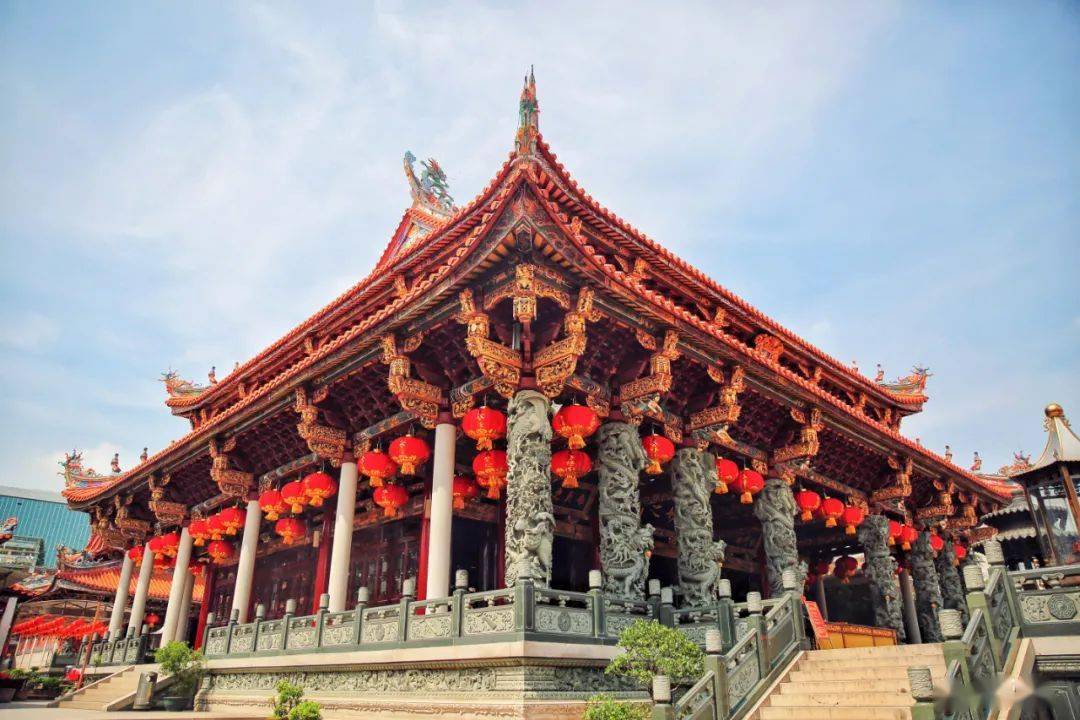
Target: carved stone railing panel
x=303, y=633
x=743, y=670
x=271, y=636
x=339, y=629
x=380, y=625
x=217, y=642
x=243, y=639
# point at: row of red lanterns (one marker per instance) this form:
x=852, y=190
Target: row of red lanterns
x=832, y=510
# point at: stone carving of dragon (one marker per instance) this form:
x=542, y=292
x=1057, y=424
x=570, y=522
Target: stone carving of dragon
x=700, y=557
x=775, y=508
x=530, y=514
x=927, y=588
x=952, y=591
x=625, y=545
x=880, y=569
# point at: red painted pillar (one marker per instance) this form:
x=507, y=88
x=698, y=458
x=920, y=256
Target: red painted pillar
x=322, y=562
x=210, y=574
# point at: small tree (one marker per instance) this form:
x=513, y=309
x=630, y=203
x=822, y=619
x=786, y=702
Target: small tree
x=287, y=699
x=186, y=665
x=306, y=710
x=653, y=649
x=604, y=707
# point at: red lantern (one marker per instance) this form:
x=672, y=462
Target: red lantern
x=318, y=486
x=153, y=619
x=808, y=501
x=846, y=566
x=895, y=530
x=748, y=483
x=490, y=467
x=154, y=545
x=73, y=675
x=272, y=504
x=937, y=544
x=377, y=467
x=136, y=554
x=484, y=424
x=293, y=494
x=852, y=517
x=220, y=550
x=575, y=423
x=727, y=472
x=290, y=529
x=391, y=497
x=170, y=543
x=464, y=489
x=409, y=453
x=832, y=510
x=164, y=562
x=199, y=530
x=659, y=450
x=908, y=535
x=959, y=551
x=821, y=567
x=216, y=525
x=570, y=465
x=232, y=519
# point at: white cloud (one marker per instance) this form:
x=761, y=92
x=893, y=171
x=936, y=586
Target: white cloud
x=27, y=331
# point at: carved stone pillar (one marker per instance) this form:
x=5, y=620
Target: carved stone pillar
x=775, y=508
x=624, y=543
x=693, y=477
x=530, y=515
x=952, y=590
x=927, y=588
x=880, y=569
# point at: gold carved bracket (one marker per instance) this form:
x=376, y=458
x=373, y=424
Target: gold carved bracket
x=807, y=445
x=898, y=482
x=167, y=512
x=131, y=528
x=713, y=422
x=529, y=283
x=232, y=482
x=555, y=363
x=642, y=398
x=500, y=364
x=416, y=396
x=326, y=441
x=105, y=528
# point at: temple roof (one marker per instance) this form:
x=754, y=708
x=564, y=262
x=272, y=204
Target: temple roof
x=1062, y=445
x=102, y=579
x=426, y=257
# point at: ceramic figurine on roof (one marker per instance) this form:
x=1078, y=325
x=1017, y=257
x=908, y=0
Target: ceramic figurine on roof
x=913, y=384
x=178, y=387
x=431, y=191
x=528, y=117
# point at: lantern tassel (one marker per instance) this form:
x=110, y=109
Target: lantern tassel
x=493, y=492
x=483, y=443
x=570, y=482
x=297, y=508
x=272, y=515
x=375, y=482
x=906, y=546
x=830, y=522
x=849, y=530
x=746, y=498
x=390, y=511
x=408, y=467
x=200, y=542
x=807, y=515
x=576, y=442
x=459, y=503
x=316, y=501
x=721, y=487
x=654, y=467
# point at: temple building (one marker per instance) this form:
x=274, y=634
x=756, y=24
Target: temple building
x=527, y=427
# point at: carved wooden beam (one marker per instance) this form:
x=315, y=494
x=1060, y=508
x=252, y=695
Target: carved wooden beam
x=785, y=459
x=463, y=398
x=416, y=396
x=167, y=512
x=642, y=398
x=838, y=488
x=132, y=528
x=555, y=363
x=293, y=467
x=232, y=482
x=710, y=422
x=898, y=482
x=597, y=396
x=499, y=363
x=362, y=440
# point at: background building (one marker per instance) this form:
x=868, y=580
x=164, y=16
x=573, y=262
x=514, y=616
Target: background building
x=44, y=522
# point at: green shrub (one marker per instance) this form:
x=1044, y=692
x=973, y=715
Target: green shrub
x=186, y=665
x=306, y=710
x=287, y=698
x=605, y=707
x=653, y=649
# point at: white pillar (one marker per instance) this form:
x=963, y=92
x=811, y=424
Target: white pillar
x=6, y=621
x=182, y=619
x=341, y=552
x=176, y=587
x=442, y=511
x=116, y=620
x=245, y=566
x=142, y=588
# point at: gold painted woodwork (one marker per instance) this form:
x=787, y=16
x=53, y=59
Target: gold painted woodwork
x=500, y=364
x=231, y=482
x=416, y=396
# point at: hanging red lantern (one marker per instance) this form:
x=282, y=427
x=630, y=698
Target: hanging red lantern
x=170, y=543
x=409, y=453
x=808, y=501
x=377, y=467
x=136, y=554
x=391, y=497
x=199, y=530
x=484, y=424
x=575, y=423
x=154, y=545
x=832, y=510
x=164, y=562
x=748, y=483
x=153, y=619
x=220, y=550
x=959, y=551
x=821, y=567
x=659, y=450
x=570, y=465
x=937, y=544
x=491, y=467
x=727, y=472
x=908, y=535
x=290, y=529
x=464, y=489
x=895, y=530
x=852, y=517
x=845, y=568
x=318, y=486
x=216, y=526
x=293, y=494
x=232, y=520
x=272, y=504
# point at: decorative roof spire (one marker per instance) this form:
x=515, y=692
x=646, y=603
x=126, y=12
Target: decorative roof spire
x=528, y=117
x=1062, y=445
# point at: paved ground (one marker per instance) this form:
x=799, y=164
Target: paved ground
x=38, y=711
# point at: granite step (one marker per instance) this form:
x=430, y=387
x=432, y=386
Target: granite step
x=834, y=713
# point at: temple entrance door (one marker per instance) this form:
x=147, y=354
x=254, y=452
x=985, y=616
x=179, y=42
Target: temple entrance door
x=475, y=548
x=571, y=561
x=283, y=576
x=382, y=557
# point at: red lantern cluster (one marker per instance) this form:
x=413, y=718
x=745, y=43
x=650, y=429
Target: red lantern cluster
x=390, y=498
x=808, y=502
x=569, y=465
x=832, y=510
x=748, y=484
x=377, y=467
x=220, y=550
x=164, y=545
x=895, y=530
x=232, y=520
x=575, y=423
x=409, y=453
x=464, y=489
x=845, y=568
x=484, y=424
x=272, y=504
x=290, y=529
x=294, y=496
x=199, y=529
x=136, y=554
x=317, y=487
x=727, y=472
x=852, y=518
x=490, y=468
x=164, y=562
x=908, y=535
x=216, y=526
x=659, y=450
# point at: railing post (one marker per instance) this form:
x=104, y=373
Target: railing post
x=408, y=592
x=461, y=586
x=654, y=599
x=792, y=595
x=290, y=610
x=952, y=629
x=725, y=616
x=362, y=597
x=667, y=607
x=524, y=604
x=210, y=618
x=757, y=625
x=922, y=692
x=661, y=696
x=977, y=600
x=234, y=617
x=320, y=617
x=714, y=663
x=599, y=609
x=260, y=615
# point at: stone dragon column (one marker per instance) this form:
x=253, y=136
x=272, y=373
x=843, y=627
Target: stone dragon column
x=927, y=588
x=880, y=569
x=624, y=542
x=775, y=508
x=693, y=477
x=530, y=514
x=952, y=590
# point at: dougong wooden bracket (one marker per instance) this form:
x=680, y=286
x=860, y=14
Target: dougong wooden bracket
x=529, y=283
x=897, y=483
x=105, y=528
x=943, y=508
x=500, y=364
x=597, y=396
x=642, y=398
x=416, y=396
x=711, y=424
x=232, y=482
x=131, y=528
x=463, y=398
x=803, y=449
x=167, y=512
x=555, y=363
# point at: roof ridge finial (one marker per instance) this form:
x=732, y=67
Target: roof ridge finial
x=528, y=116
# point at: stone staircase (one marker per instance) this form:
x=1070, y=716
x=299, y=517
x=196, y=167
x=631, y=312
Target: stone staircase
x=851, y=684
x=99, y=695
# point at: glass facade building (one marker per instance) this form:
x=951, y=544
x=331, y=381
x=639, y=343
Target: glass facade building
x=44, y=517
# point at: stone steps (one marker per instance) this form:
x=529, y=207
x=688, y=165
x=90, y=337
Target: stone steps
x=837, y=713
x=98, y=695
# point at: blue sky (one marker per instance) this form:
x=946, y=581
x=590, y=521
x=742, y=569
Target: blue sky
x=182, y=183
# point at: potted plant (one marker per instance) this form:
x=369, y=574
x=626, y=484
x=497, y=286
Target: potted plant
x=186, y=667
x=652, y=651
